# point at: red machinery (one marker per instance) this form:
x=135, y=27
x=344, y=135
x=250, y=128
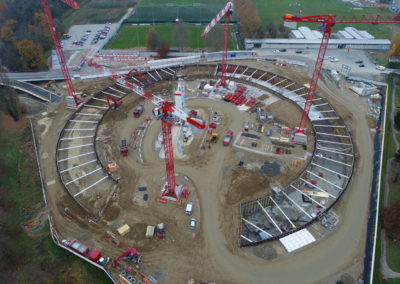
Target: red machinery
x=166, y=112
x=139, y=77
x=327, y=22
x=58, y=47
x=116, y=104
x=131, y=254
x=225, y=12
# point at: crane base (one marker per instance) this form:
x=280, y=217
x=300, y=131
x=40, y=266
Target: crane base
x=176, y=197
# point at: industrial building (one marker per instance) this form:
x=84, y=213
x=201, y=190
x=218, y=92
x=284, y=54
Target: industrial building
x=304, y=37
x=374, y=44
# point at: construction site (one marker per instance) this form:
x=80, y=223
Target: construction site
x=210, y=168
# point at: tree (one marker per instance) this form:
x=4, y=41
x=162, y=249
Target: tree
x=163, y=49
x=250, y=21
x=180, y=35
x=397, y=120
x=8, y=97
x=32, y=54
x=283, y=30
x=272, y=29
x=397, y=156
x=395, y=49
x=39, y=31
x=152, y=39
x=391, y=220
x=7, y=33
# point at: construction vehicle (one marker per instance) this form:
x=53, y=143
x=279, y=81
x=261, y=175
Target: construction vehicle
x=77, y=247
x=115, y=104
x=213, y=138
x=138, y=111
x=327, y=22
x=228, y=138
x=124, y=148
x=131, y=254
x=49, y=83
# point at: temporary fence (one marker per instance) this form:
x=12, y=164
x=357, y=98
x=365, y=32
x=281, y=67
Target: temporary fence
x=372, y=228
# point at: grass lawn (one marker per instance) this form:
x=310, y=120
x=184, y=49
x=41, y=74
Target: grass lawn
x=23, y=258
x=397, y=95
x=98, y=12
x=380, y=57
x=131, y=36
x=267, y=10
x=393, y=255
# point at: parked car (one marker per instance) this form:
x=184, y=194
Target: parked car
x=361, y=65
x=282, y=50
x=299, y=51
x=359, y=62
x=228, y=138
x=380, y=68
x=193, y=223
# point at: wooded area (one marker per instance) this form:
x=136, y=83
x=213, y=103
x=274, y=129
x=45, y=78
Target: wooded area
x=24, y=37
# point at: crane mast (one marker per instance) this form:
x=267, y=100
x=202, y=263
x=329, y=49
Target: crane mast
x=226, y=13
x=328, y=21
x=58, y=47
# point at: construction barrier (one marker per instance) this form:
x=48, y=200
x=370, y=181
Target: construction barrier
x=370, y=244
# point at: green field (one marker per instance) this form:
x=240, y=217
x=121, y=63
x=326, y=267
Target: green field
x=98, y=12
x=169, y=13
x=30, y=258
x=131, y=36
x=268, y=11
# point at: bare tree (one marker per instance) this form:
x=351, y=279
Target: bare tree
x=163, y=49
x=152, y=39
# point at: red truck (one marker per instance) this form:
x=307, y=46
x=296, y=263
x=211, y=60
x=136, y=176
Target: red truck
x=138, y=111
x=124, y=148
x=77, y=247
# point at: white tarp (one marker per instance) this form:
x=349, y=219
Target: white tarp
x=297, y=240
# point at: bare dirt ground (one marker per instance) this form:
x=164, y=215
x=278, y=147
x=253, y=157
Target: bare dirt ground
x=211, y=253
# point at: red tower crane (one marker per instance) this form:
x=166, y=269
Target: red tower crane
x=58, y=47
x=328, y=21
x=166, y=112
x=225, y=12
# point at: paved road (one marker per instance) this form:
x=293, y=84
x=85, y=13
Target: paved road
x=309, y=56
x=385, y=269
x=34, y=90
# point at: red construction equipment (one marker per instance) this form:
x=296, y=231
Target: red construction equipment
x=225, y=12
x=116, y=104
x=131, y=254
x=166, y=112
x=139, y=78
x=58, y=47
x=327, y=22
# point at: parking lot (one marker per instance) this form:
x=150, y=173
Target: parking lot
x=88, y=36
x=358, y=60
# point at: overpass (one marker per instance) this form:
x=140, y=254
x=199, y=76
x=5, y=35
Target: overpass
x=33, y=90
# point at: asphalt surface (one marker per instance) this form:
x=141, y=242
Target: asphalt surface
x=309, y=56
